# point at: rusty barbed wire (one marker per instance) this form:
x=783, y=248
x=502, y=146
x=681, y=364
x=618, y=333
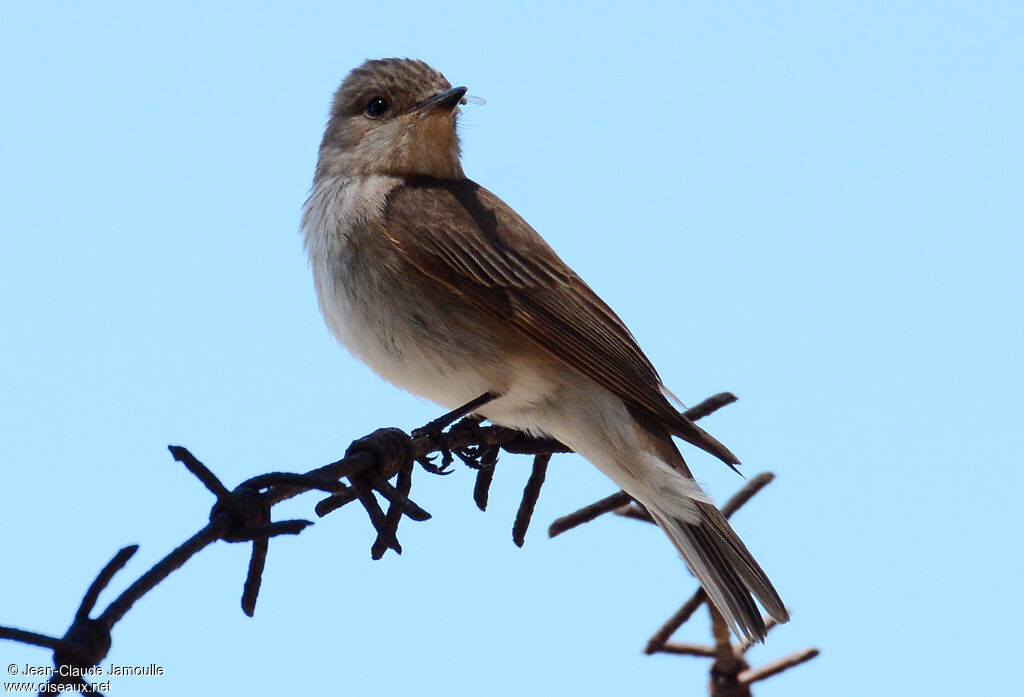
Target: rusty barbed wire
x=244, y=515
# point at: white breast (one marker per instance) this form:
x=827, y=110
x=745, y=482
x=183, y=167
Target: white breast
x=448, y=370
x=363, y=322
x=336, y=207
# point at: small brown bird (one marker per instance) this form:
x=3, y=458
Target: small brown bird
x=444, y=291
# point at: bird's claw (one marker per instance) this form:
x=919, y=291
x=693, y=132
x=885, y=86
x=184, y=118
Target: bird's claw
x=427, y=463
x=435, y=432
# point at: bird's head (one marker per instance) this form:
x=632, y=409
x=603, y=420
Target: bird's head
x=394, y=117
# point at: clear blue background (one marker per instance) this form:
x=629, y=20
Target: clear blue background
x=816, y=206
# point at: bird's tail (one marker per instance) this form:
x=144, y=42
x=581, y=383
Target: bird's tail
x=709, y=546
x=724, y=567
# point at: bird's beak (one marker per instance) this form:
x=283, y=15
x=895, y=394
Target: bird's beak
x=445, y=101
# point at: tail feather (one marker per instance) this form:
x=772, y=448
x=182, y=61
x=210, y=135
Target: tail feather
x=660, y=480
x=726, y=570
x=743, y=561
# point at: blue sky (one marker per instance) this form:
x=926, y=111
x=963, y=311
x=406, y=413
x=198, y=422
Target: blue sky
x=817, y=207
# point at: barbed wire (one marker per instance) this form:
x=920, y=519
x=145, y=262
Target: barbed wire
x=243, y=515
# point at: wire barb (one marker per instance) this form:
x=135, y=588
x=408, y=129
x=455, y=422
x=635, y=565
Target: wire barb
x=589, y=513
x=710, y=405
x=777, y=666
x=484, y=477
x=397, y=507
x=530, y=495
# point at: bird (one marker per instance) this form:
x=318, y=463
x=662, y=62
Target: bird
x=443, y=290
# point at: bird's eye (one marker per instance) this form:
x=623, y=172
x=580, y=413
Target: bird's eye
x=376, y=108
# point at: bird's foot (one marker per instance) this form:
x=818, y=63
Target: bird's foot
x=434, y=430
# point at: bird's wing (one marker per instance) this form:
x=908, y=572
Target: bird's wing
x=468, y=239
